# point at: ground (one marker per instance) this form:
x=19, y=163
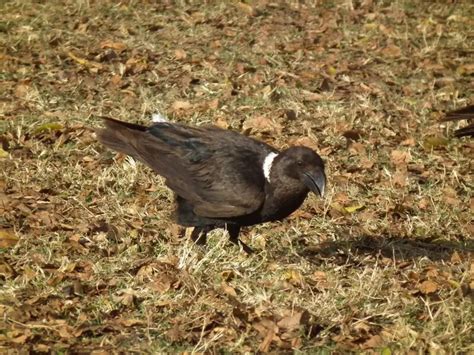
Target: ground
x=90, y=259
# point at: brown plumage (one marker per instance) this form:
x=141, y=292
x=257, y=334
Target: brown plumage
x=465, y=113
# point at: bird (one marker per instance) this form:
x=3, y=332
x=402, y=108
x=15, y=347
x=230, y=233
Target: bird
x=465, y=113
x=220, y=178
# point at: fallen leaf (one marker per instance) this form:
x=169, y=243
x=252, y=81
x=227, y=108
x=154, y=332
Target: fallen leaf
x=228, y=290
x=455, y=258
x=22, y=90
x=268, y=330
x=262, y=124
x=18, y=337
x=305, y=141
x=352, y=209
x=392, y=51
x=293, y=276
x=175, y=333
x=66, y=331
x=181, y=105
x=428, y=286
x=222, y=123
x=7, y=238
x=410, y=142
x=3, y=154
x=247, y=9
x=128, y=322
x=118, y=46
x=400, y=178
x=400, y=157
x=466, y=69
x=374, y=341
x=434, y=142
x=84, y=62
x=293, y=321
x=48, y=127
x=180, y=54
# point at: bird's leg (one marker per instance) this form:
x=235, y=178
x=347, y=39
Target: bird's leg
x=234, y=231
x=199, y=234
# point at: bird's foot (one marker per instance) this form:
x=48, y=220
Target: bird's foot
x=199, y=236
x=246, y=248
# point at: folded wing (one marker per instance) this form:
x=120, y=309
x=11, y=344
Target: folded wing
x=218, y=171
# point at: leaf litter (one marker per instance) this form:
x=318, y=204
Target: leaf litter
x=91, y=259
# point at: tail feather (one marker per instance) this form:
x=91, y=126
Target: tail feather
x=465, y=131
x=118, y=135
x=465, y=113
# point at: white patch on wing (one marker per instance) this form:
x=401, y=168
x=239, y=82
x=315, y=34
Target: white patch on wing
x=267, y=165
x=158, y=117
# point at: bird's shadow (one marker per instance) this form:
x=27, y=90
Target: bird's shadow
x=396, y=248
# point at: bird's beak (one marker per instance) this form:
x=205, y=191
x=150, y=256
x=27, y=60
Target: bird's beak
x=315, y=181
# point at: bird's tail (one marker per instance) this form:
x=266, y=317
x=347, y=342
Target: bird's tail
x=465, y=113
x=120, y=136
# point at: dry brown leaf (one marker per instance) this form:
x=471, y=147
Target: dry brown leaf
x=180, y=54
x=18, y=337
x=305, y=141
x=466, y=69
x=268, y=330
x=392, y=51
x=175, y=333
x=455, y=258
x=161, y=284
x=409, y=142
x=424, y=203
x=222, y=123
x=356, y=148
x=66, y=331
x=400, y=157
x=427, y=287
x=128, y=322
x=400, y=178
x=7, y=238
x=293, y=321
x=22, y=90
x=247, y=9
x=212, y=104
x=118, y=46
x=228, y=290
x=262, y=124
x=179, y=105
x=312, y=96
x=116, y=80
x=375, y=341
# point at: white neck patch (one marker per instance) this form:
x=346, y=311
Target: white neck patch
x=267, y=165
x=158, y=117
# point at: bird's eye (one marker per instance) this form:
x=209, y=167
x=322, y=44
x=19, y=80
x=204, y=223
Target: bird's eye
x=300, y=163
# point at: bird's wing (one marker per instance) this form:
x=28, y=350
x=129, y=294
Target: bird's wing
x=218, y=171
x=465, y=113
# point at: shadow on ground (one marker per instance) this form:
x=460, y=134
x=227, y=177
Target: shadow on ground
x=390, y=247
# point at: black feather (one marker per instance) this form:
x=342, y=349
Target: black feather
x=217, y=175
x=465, y=113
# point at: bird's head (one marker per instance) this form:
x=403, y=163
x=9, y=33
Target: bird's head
x=303, y=165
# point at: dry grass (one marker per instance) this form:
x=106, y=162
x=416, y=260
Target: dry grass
x=90, y=257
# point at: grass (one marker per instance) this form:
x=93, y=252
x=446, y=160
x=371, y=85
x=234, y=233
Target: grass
x=91, y=258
